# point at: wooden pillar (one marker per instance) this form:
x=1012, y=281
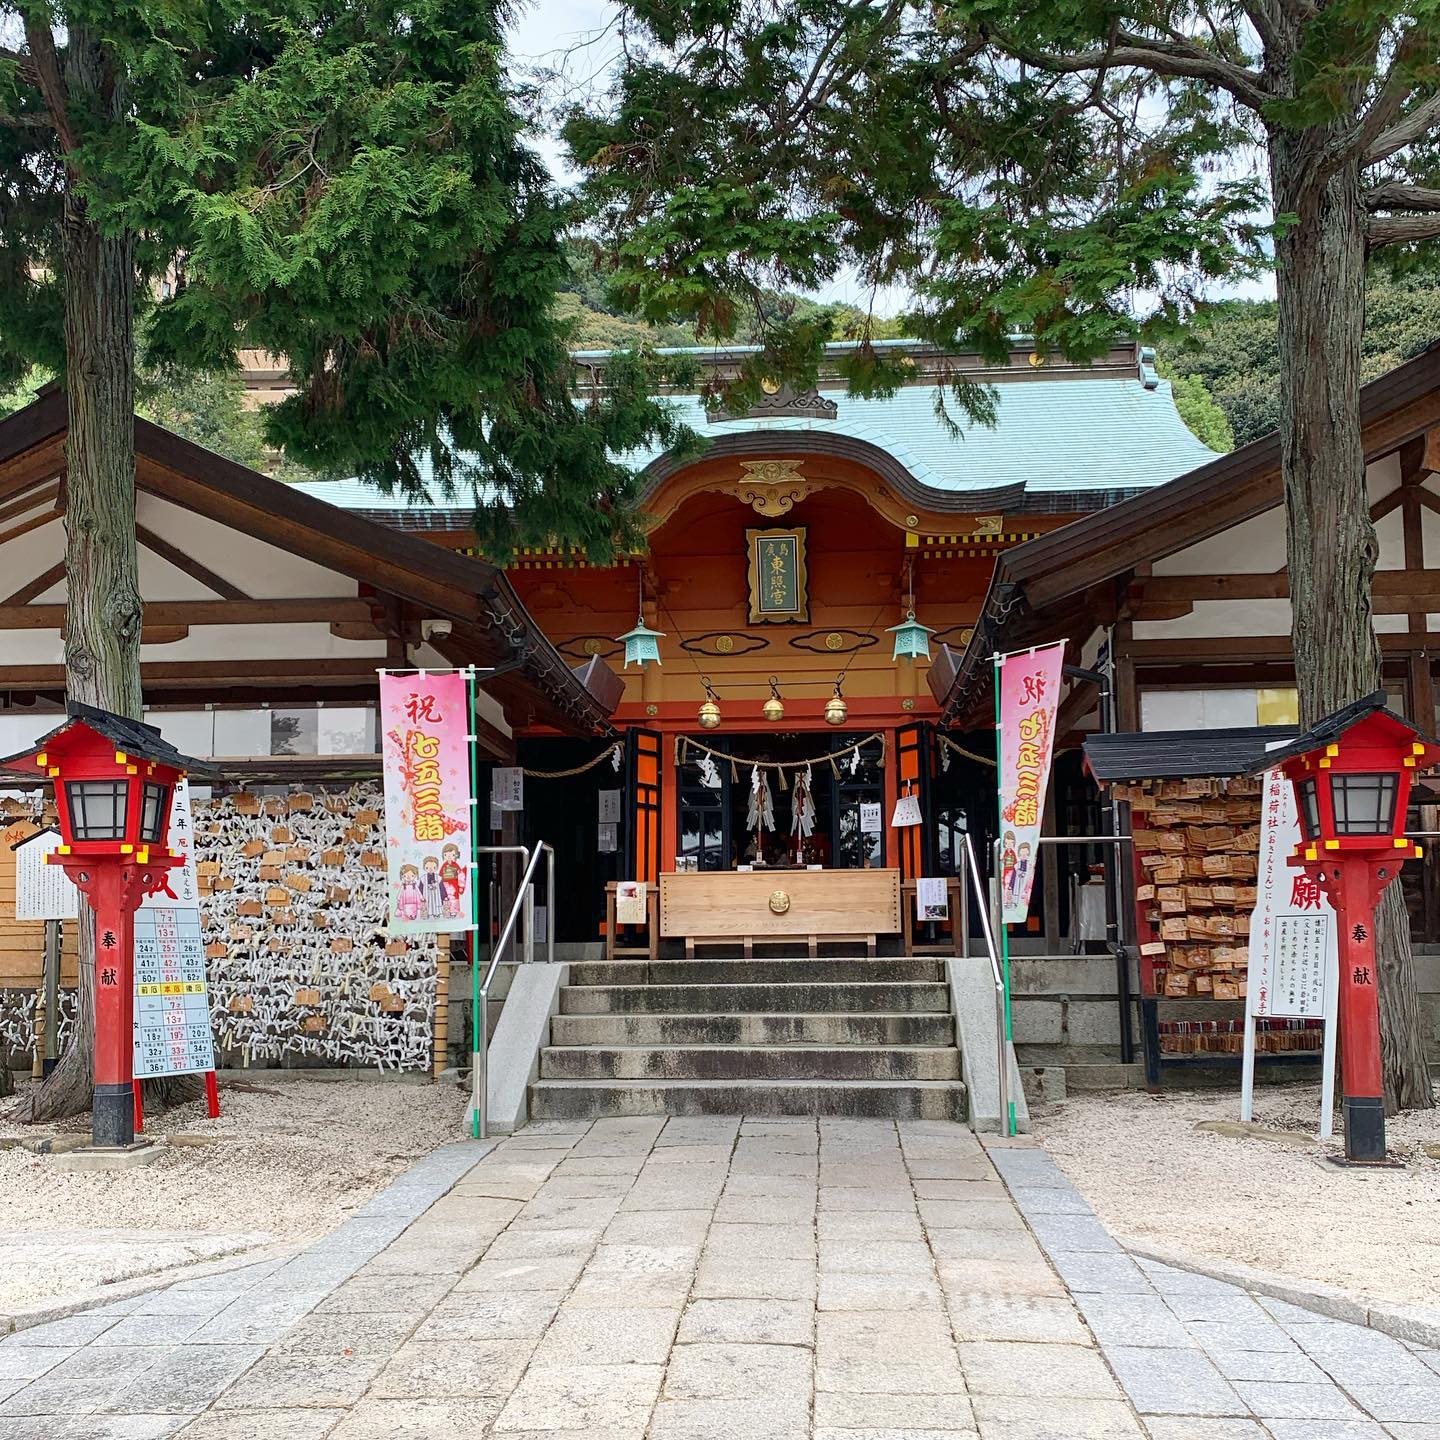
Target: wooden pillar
x=1420, y=705
x=1127, y=692
x=441, y=1054
x=1054, y=861
x=1420, y=691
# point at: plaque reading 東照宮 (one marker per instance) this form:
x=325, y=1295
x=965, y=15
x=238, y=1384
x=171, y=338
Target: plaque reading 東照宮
x=778, y=582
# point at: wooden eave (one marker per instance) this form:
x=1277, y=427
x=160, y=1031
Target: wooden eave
x=1394, y=408
x=1099, y=549
x=484, y=609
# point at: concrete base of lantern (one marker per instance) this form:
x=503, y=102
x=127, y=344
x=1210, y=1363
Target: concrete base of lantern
x=118, y=1157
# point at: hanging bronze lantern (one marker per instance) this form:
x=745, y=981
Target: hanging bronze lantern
x=912, y=639
x=836, y=710
x=774, y=708
x=642, y=644
x=710, y=707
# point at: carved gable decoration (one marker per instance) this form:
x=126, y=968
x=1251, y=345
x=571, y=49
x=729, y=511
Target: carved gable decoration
x=783, y=402
x=771, y=487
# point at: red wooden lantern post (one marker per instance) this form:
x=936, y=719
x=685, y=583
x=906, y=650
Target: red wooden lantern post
x=1352, y=775
x=113, y=782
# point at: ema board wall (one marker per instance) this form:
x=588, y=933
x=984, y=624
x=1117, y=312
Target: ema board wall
x=295, y=907
x=301, y=967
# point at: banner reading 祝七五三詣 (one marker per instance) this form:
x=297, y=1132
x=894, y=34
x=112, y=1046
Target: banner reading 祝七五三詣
x=1029, y=684
x=424, y=729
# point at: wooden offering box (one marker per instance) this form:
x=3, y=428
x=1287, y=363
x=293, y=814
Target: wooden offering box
x=780, y=905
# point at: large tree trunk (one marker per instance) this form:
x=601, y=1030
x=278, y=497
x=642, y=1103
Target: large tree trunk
x=103, y=610
x=1331, y=545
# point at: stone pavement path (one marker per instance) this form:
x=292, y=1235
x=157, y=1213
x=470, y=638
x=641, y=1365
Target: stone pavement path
x=640, y=1279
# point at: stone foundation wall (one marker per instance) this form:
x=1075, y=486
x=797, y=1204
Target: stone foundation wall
x=1073, y=1001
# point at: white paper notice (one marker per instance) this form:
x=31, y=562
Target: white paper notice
x=1293, y=946
x=172, y=1008
x=43, y=892
x=1294, y=969
x=932, y=898
x=507, y=787
x=630, y=906
x=869, y=817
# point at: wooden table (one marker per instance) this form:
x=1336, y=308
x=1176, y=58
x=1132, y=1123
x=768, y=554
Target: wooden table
x=765, y=906
x=955, y=943
x=650, y=949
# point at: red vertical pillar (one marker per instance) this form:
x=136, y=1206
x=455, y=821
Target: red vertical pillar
x=670, y=804
x=114, y=1108
x=1363, y=1078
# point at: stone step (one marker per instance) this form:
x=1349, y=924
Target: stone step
x=749, y=1062
x=754, y=1029
x=734, y=971
x=890, y=1100
x=739, y=999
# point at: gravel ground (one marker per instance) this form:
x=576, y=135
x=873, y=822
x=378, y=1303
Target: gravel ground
x=287, y=1160
x=1152, y=1176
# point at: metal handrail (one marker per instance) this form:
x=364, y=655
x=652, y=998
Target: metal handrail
x=524, y=901
x=1113, y=924
x=1002, y=1051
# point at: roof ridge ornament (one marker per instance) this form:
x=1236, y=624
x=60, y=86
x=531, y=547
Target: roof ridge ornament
x=1149, y=375
x=781, y=402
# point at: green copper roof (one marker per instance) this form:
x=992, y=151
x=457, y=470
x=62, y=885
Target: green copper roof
x=1053, y=436
x=1049, y=435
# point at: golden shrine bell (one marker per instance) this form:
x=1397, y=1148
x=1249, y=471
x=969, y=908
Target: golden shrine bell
x=774, y=708
x=709, y=708
x=836, y=710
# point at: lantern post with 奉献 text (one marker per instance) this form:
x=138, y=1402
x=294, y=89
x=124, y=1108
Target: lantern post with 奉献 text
x=1351, y=776
x=113, y=778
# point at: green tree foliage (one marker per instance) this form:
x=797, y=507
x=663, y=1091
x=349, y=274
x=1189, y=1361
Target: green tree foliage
x=601, y=318
x=22, y=391
x=1197, y=408
x=1233, y=349
x=750, y=148
x=209, y=407
x=343, y=184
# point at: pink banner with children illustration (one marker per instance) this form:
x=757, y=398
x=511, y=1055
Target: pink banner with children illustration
x=428, y=810
x=1029, y=684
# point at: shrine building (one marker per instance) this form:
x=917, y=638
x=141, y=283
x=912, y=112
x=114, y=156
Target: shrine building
x=820, y=594
x=873, y=510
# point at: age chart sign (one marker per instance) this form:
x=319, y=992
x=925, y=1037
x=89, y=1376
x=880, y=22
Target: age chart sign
x=428, y=803
x=1029, y=685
